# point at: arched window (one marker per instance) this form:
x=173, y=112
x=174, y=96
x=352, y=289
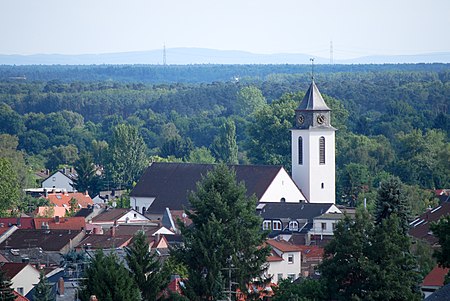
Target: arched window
x=276, y=225
x=293, y=226
x=300, y=151
x=322, y=150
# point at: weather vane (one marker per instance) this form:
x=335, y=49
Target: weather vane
x=312, y=68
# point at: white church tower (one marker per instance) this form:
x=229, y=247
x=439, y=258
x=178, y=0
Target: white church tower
x=313, y=149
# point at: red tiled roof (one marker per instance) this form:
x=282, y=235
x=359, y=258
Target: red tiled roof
x=180, y=215
x=435, y=277
x=11, y=269
x=64, y=223
x=61, y=199
x=19, y=297
x=25, y=222
x=274, y=258
x=311, y=251
x=283, y=245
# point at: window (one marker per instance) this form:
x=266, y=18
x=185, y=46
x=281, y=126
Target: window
x=20, y=290
x=267, y=225
x=280, y=277
x=324, y=226
x=293, y=226
x=333, y=226
x=53, y=179
x=283, y=200
x=322, y=150
x=290, y=258
x=276, y=225
x=322, y=185
x=291, y=277
x=300, y=151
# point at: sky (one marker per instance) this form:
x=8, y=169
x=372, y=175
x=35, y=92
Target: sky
x=355, y=27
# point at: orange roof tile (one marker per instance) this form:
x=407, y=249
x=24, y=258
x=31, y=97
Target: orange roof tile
x=435, y=277
x=283, y=245
x=64, y=223
x=311, y=251
x=19, y=297
x=63, y=199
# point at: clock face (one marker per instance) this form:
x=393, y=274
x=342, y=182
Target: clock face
x=300, y=119
x=320, y=119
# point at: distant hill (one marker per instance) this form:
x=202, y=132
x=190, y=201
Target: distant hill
x=188, y=56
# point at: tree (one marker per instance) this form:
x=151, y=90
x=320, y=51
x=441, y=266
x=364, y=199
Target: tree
x=145, y=267
x=9, y=186
x=6, y=292
x=441, y=229
x=43, y=290
x=391, y=200
x=224, y=146
x=306, y=290
x=346, y=270
x=249, y=99
x=225, y=232
x=127, y=156
x=87, y=180
x=108, y=279
x=201, y=155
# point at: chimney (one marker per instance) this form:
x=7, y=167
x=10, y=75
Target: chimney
x=61, y=286
x=71, y=169
x=86, y=193
x=46, y=192
x=95, y=230
x=56, y=219
x=113, y=231
x=93, y=298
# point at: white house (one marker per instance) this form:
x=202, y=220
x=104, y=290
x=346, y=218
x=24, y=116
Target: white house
x=166, y=185
x=285, y=261
x=23, y=276
x=117, y=216
x=59, y=180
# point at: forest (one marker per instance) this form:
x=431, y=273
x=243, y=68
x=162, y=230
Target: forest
x=391, y=120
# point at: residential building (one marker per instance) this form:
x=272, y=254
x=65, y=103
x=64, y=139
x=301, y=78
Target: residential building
x=61, y=179
x=285, y=260
x=434, y=280
x=420, y=227
x=23, y=276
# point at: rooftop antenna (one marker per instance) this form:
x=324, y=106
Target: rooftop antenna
x=312, y=68
x=164, y=55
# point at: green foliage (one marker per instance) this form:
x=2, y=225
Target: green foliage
x=145, y=267
x=391, y=200
x=423, y=252
x=249, y=100
x=441, y=230
x=126, y=157
x=30, y=204
x=62, y=155
x=201, y=155
x=6, y=292
x=306, y=290
x=87, y=180
x=224, y=146
x=9, y=186
x=43, y=290
x=225, y=232
x=108, y=279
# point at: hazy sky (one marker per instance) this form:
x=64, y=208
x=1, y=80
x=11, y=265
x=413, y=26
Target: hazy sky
x=356, y=27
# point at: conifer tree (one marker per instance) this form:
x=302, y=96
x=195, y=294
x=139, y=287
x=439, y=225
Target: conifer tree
x=225, y=233
x=43, y=290
x=108, y=279
x=145, y=267
x=6, y=292
x=391, y=200
x=224, y=147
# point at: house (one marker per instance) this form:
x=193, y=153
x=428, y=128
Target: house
x=434, y=280
x=43, y=246
x=288, y=220
x=420, y=227
x=167, y=185
x=285, y=260
x=19, y=297
x=312, y=256
x=443, y=294
x=23, y=276
x=171, y=218
x=117, y=216
x=323, y=228
x=61, y=179
x=83, y=200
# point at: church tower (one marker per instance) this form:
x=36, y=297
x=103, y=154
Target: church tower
x=313, y=148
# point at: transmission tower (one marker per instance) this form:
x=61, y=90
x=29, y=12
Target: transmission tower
x=331, y=53
x=164, y=55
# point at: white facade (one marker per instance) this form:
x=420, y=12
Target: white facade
x=282, y=189
x=131, y=217
x=141, y=203
x=24, y=281
x=58, y=180
x=315, y=179
x=288, y=267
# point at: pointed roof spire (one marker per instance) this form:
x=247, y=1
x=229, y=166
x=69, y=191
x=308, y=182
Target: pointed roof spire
x=313, y=100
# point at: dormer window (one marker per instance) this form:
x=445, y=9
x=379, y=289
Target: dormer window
x=293, y=226
x=267, y=225
x=277, y=225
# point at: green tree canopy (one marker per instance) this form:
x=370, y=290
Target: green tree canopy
x=224, y=146
x=225, y=232
x=9, y=186
x=43, y=290
x=87, y=180
x=6, y=291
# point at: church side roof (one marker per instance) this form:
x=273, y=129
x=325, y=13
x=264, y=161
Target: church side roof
x=170, y=183
x=313, y=100
x=292, y=211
